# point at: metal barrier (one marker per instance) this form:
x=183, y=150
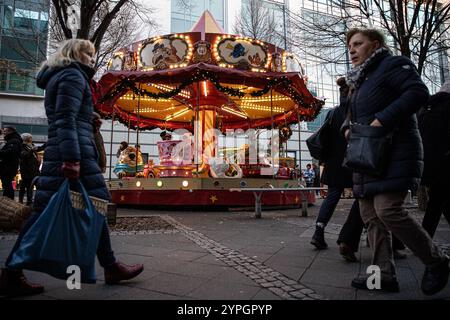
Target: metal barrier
x=257, y=192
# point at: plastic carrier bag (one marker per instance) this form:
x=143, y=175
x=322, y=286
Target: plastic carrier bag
x=62, y=236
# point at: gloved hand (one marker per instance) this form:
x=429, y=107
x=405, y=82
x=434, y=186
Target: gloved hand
x=71, y=170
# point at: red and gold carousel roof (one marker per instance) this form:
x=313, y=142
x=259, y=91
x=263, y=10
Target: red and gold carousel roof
x=163, y=81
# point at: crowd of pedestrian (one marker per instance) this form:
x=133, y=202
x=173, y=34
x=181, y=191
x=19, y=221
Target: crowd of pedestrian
x=381, y=91
x=383, y=94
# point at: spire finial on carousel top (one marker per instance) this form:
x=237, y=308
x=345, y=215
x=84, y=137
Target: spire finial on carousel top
x=207, y=24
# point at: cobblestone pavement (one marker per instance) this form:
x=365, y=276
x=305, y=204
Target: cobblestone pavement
x=266, y=277
x=233, y=256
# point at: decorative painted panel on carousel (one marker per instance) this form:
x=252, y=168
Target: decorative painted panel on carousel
x=165, y=52
x=241, y=53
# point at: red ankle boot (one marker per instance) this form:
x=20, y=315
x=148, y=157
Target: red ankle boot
x=119, y=271
x=13, y=284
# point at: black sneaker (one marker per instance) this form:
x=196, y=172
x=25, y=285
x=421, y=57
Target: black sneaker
x=318, y=239
x=387, y=286
x=435, y=278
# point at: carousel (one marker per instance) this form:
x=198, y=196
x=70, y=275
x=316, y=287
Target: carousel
x=224, y=104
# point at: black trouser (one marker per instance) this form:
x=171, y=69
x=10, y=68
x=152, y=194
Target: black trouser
x=352, y=229
x=25, y=186
x=438, y=204
x=8, y=190
x=105, y=254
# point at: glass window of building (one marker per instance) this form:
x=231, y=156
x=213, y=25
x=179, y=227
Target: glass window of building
x=23, y=44
x=185, y=13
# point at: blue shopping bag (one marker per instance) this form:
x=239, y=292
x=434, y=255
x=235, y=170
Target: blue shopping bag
x=62, y=236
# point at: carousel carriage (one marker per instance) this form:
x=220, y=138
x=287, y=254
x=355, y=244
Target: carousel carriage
x=206, y=86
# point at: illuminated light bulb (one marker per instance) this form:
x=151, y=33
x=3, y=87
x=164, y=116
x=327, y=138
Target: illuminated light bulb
x=159, y=184
x=138, y=184
x=185, y=184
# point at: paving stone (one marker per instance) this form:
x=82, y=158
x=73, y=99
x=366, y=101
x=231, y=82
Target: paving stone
x=307, y=291
x=287, y=288
x=298, y=286
x=277, y=291
x=278, y=284
x=267, y=284
x=297, y=294
x=288, y=281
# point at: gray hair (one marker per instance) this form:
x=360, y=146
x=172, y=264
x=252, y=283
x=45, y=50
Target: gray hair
x=26, y=137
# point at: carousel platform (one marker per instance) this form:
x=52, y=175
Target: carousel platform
x=179, y=192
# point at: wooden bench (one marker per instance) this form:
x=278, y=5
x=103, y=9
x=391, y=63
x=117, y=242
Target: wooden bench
x=257, y=192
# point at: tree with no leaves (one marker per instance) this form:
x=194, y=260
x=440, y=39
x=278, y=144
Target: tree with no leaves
x=418, y=28
x=108, y=24
x=256, y=21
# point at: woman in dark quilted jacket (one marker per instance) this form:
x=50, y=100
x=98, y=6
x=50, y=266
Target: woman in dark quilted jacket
x=386, y=91
x=70, y=153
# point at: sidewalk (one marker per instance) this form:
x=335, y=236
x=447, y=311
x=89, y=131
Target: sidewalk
x=232, y=255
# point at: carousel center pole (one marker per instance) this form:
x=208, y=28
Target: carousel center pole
x=129, y=123
x=110, y=145
x=272, y=143
x=196, y=130
x=137, y=129
x=299, y=143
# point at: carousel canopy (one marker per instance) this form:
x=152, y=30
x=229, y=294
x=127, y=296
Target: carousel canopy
x=166, y=81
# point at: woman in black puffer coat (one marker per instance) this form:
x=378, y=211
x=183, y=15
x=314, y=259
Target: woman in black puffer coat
x=387, y=92
x=70, y=153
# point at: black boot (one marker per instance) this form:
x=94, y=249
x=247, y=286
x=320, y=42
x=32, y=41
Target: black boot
x=318, y=238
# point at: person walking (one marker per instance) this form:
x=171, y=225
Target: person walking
x=69, y=154
x=434, y=126
x=9, y=159
x=337, y=178
x=29, y=168
x=386, y=91
x=316, y=183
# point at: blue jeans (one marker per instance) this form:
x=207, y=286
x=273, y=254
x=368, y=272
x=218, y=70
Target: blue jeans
x=105, y=254
x=329, y=204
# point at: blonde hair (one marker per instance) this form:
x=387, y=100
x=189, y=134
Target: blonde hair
x=69, y=51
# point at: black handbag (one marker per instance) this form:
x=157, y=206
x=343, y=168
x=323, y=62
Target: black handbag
x=368, y=149
x=318, y=141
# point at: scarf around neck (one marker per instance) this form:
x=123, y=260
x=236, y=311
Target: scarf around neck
x=355, y=76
